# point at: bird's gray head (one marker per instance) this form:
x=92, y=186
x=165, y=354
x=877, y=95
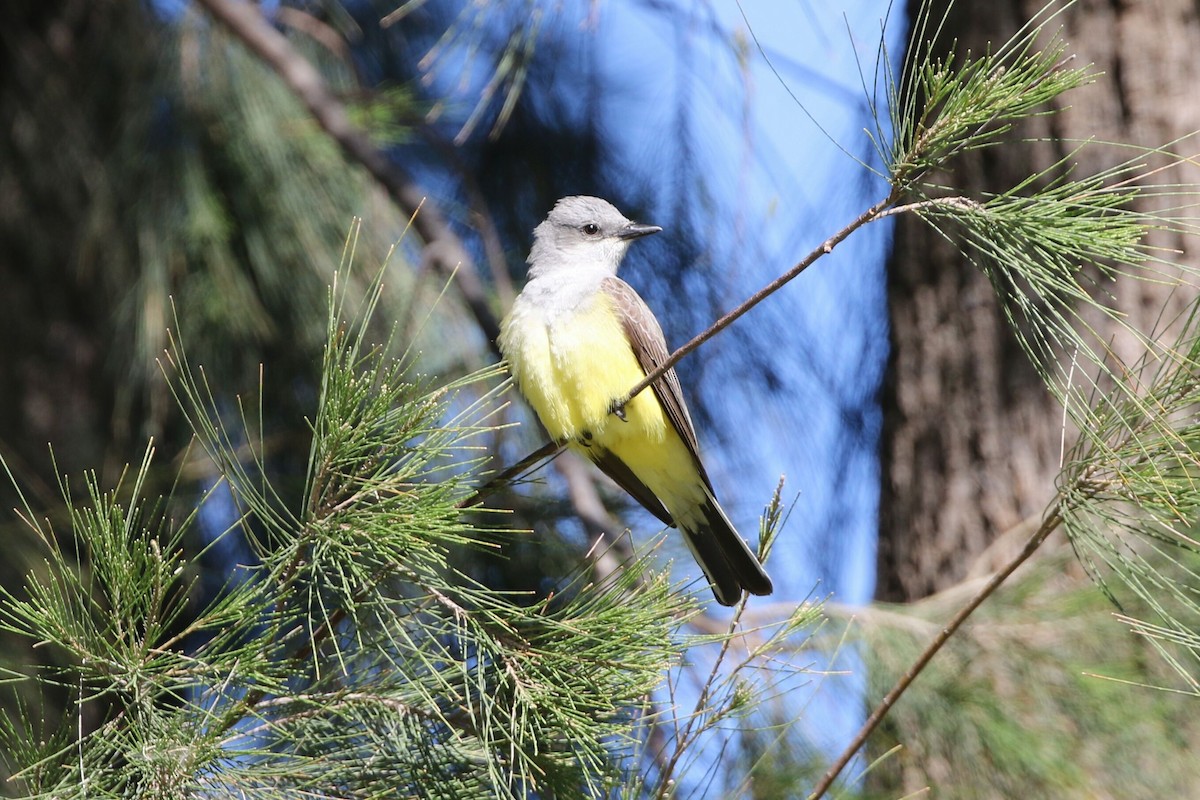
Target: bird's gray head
x=583, y=233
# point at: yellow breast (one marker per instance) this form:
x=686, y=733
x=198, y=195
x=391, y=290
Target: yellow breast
x=572, y=365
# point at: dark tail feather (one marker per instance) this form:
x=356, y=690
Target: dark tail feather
x=724, y=556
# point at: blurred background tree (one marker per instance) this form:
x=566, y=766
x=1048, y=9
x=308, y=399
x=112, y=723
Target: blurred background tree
x=958, y=384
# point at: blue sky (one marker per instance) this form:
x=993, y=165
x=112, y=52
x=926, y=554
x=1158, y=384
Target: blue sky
x=783, y=175
x=777, y=136
x=748, y=131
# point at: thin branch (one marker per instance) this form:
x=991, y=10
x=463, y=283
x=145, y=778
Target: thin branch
x=320, y=32
x=444, y=250
x=498, y=481
x=873, y=213
x=933, y=202
x=1052, y=520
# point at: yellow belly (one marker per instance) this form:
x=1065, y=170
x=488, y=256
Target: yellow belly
x=571, y=368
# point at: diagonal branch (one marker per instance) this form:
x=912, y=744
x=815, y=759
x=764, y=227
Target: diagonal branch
x=444, y=250
x=501, y=479
x=1049, y=524
x=873, y=213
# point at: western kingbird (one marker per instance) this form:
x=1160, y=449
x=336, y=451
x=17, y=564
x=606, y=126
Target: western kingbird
x=577, y=340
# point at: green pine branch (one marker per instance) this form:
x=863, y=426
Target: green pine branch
x=1051, y=247
x=354, y=658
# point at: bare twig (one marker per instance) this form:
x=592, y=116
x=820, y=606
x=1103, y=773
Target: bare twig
x=443, y=248
x=1050, y=522
x=965, y=203
x=870, y=215
x=320, y=32
x=498, y=481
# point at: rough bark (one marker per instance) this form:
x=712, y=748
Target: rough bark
x=971, y=440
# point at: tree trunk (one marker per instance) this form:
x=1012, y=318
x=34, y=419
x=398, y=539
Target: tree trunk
x=971, y=439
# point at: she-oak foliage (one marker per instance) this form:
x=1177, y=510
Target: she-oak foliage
x=352, y=661
x=1052, y=247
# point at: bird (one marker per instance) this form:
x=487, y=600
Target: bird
x=576, y=340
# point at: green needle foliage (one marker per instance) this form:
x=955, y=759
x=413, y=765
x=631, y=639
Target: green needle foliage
x=1131, y=500
x=351, y=661
x=1053, y=247
x=944, y=106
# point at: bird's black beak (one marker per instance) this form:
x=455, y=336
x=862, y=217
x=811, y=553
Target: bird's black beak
x=635, y=230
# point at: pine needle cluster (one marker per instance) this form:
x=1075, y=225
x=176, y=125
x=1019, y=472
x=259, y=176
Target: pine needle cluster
x=1054, y=247
x=351, y=659
x=1057, y=248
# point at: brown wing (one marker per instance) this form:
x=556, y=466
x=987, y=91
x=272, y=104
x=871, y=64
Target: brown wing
x=650, y=347
x=725, y=558
x=623, y=476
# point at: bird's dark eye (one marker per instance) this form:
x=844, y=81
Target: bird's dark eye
x=591, y=229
